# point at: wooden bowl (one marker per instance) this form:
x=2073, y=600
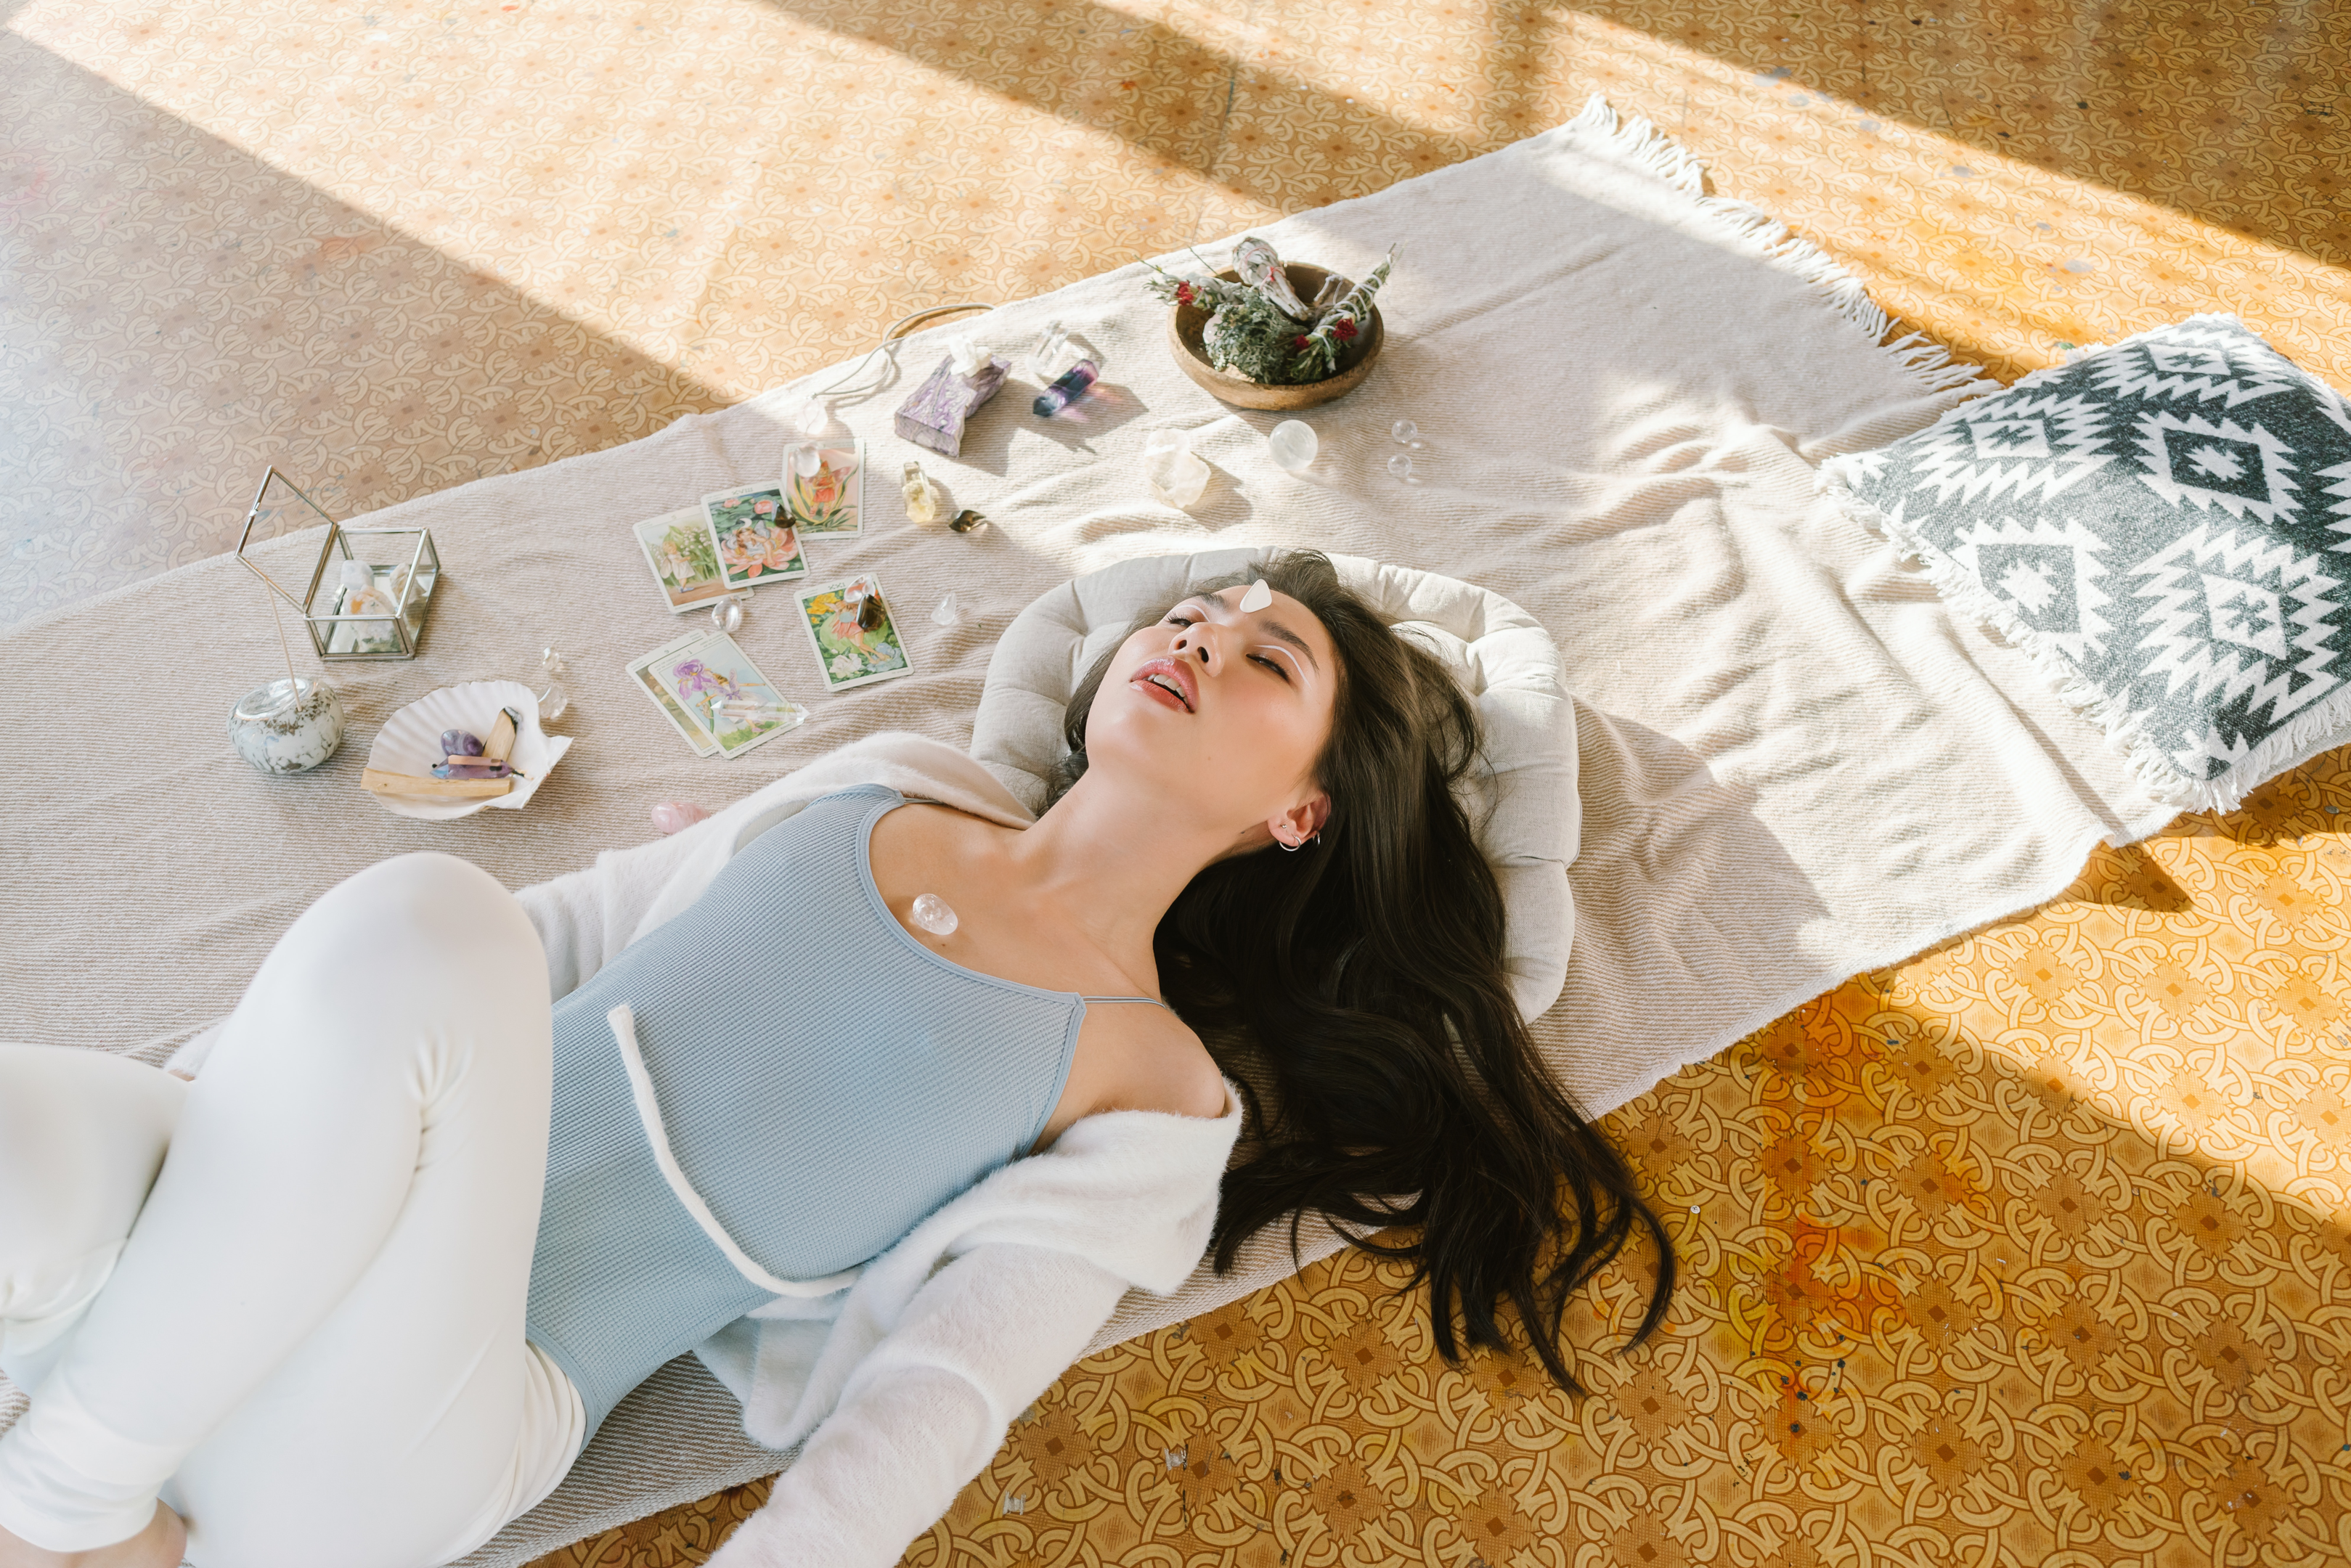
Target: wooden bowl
x=1355, y=356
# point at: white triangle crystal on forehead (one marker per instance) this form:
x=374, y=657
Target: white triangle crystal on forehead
x=1258, y=598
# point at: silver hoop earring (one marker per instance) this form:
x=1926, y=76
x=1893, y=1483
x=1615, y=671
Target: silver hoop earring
x=1293, y=849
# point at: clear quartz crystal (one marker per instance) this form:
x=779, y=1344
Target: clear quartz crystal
x=727, y=613
x=1401, y=466
x=554, y=699
x=1049, y=358
x=1176, y=476
x=1407, y=433
x=931, y=913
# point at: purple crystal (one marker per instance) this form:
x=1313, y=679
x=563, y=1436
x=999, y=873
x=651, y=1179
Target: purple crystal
x=1070, y=386
x=934, y=415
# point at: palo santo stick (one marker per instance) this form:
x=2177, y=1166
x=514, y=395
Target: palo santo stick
x=501, y=737
x=377, y=781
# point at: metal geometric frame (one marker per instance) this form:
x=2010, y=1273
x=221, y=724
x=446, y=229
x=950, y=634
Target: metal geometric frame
x=322, y=627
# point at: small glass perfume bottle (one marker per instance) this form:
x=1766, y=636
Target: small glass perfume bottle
x=922, y=498
x=1067, y=388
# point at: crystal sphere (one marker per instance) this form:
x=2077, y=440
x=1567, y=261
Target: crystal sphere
x=1405, y=431
x=1292, y=444
x=931, y=913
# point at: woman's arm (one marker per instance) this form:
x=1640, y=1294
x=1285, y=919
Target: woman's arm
x=928, y=1408
x=966, y=1321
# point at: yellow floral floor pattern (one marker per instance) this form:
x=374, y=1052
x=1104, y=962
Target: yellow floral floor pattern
x=2035, y=1251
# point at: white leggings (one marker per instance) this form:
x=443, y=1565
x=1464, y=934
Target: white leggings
x=311, y=1343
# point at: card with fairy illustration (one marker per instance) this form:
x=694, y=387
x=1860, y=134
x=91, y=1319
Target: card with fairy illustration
x=855, y=640
x=827, y=496
x=688, y=727
x=752, y=535
x=685, y=561
x=721, y=689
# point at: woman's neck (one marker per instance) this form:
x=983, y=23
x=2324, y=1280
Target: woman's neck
x=1109, y=864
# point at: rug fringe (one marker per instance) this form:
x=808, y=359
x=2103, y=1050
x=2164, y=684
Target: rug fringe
x=1641, y=145
x=2317, y=729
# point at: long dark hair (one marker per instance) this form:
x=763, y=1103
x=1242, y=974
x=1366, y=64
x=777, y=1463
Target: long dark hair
x=1361, y=978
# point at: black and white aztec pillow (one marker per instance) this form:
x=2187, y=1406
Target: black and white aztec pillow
x=2164, y=524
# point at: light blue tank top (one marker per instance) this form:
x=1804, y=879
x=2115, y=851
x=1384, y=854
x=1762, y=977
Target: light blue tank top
x=818, y=1080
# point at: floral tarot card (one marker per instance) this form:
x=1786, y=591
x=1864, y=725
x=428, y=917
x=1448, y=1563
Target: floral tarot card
x=640, y=675
x=850, y=627
x=753, y=535
x=718, y=686
x=832, y=499
x=685, y=562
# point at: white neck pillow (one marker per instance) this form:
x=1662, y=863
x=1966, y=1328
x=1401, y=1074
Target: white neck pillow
x=1524, y=801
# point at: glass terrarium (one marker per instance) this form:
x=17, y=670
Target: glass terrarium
x=367, y=590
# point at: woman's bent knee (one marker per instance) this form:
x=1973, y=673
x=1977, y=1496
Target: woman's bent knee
x=422, y=951
x=427, y=909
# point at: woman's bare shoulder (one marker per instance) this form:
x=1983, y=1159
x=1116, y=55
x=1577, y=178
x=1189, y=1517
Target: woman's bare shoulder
x=1157, y=1062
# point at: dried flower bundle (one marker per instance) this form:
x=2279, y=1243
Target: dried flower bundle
x=1250, y=334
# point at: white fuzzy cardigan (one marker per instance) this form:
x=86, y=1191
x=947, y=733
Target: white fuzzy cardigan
x=903, y=1383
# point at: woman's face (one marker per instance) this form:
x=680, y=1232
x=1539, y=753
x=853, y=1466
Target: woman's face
x=1223, y=713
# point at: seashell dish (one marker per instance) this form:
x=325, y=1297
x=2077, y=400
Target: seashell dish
x=410, y=742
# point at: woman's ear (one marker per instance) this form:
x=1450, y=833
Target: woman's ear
x=1299, y=823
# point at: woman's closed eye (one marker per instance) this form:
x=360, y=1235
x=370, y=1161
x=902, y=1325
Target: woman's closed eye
x=1273, y=664
x=1278, y=662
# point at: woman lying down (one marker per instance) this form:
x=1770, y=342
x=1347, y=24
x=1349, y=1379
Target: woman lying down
x=414, y=1229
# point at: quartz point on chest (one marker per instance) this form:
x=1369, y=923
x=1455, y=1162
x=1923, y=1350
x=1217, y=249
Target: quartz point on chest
x=931, y=913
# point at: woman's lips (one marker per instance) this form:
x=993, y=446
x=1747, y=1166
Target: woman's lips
x=1168, y=681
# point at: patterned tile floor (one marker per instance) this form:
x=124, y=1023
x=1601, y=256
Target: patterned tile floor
x=2035, y=1251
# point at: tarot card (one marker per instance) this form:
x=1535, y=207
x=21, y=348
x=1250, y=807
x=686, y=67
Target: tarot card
x=831, y=501
x=685, y=563
x=721, y=689
x=850, y=627
x=753, y=535
x=640, y=675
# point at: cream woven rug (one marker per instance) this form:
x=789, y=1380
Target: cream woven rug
x=1796, y=765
